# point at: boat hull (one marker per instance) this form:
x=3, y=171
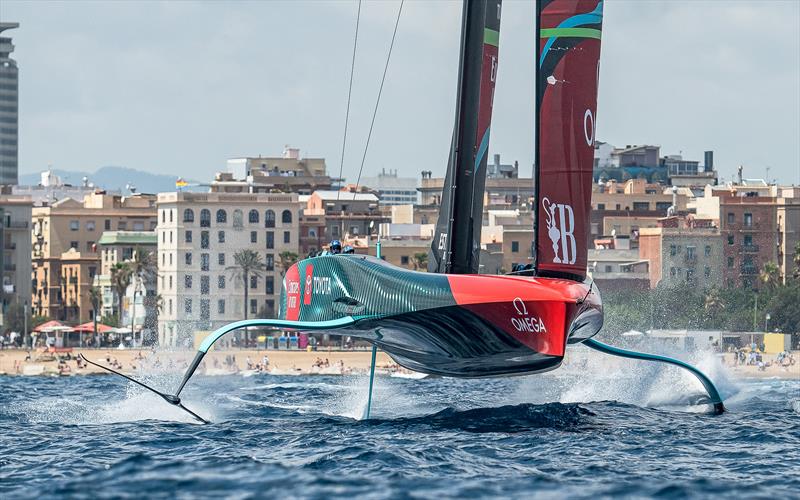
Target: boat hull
x=450, y=325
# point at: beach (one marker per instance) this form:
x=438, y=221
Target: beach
x=281, y=362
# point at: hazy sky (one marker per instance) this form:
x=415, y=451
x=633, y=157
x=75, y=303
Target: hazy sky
x=179, y=87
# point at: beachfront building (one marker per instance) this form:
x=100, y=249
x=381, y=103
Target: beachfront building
x=198, y=236
x=683, y=250
x=393, y=190
x=9, y=109
x=347, y=215
x=117, y=247
x=288, y=173
x=15, y=259
x=68, y=230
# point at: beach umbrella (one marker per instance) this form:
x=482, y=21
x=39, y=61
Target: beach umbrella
x=88, y=327
x=50, y=326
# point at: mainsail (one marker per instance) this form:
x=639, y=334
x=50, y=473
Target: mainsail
x=568, y=66
x=456, y=246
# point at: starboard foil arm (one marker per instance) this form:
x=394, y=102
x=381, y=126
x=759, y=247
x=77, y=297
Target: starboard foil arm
x=713, y=393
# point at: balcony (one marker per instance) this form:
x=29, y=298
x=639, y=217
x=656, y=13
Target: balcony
x=690, y=259
x=749, y=270
x=10, y=245
x=17, y=224
x=750, y=248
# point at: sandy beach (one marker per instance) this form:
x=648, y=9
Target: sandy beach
x=217, y=362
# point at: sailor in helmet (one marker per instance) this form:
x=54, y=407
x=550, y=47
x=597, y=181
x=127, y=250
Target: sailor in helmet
x=335, y=247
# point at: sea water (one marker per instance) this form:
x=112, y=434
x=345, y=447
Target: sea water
x=597, y=426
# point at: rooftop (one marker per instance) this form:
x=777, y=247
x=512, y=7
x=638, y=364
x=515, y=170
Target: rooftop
x=128, y=238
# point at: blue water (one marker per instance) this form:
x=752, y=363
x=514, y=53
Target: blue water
x=630, y=434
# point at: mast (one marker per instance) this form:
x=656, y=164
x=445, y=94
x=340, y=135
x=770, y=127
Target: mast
x=456, y=244
x=568, y=67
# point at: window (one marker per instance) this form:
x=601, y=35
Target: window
x=730, y=262
x=205, y=218
x=107, y=224
x=187, y=237
x=253, y=237
x=170, y=215
x=707, y=272
x=205, y=262
x=205, y=309
x=170, y=282
x=690, y=252
x=672, y=272
x=188, y=258
x=74, y=225
x=252, y=217
x=204, y=239
x=163, y=236
x=287, y=237
x=138, y=225
x=312, y=233
x=90, y=246
x=92, y=272
x=237, y=218
x=270, y=239
x=270, y=304
x=188, y=215
x=335, y=231
x=730, y=239
x=170, y=258
x=253, y=282
x=690, y=275
x=748, y=239
x=253, y=306
x=187, y=281
x=404, y=260
x=748, y=220
x=286, y=217
x=270, y=282
x=708, y=251
x=90, y=225
x=163, y=216
x=221, y=282
x=270, y=262
x=663, y=206
x=618, y=207
x=601, y=206
x=269, y=219
x=187, y=306
x=641, y=205
x=608, y=268
x=673, y=250
x=731, y=218
x=122, y=225
x=221, y=306
x=170, y=237
x=222, y=216
x=515, y=246
x=221, y=259
x=73, y=244
x=205, y=285
x=169, y=307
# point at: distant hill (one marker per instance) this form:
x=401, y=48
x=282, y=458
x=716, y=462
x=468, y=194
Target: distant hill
x=112, y=179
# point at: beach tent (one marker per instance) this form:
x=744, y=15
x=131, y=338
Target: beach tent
x=57, y=328
x=48, y=327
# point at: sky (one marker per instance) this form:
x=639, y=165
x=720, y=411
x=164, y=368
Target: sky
x=179, y=87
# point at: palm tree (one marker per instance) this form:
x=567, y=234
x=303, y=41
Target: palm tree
x=287, y=260
x=420, y=261
x=714, y=305
x=120, y=281
x=797, y=261
x=248, y=264
x=95, y=298
x=143, y=269
x=770, y=275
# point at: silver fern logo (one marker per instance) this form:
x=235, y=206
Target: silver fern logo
x=560, y=220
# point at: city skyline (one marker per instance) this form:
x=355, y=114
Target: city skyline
x=181, y=87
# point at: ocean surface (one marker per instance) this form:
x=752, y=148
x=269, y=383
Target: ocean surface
x=594, y=427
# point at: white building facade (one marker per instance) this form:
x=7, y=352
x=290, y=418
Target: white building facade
x=198, y=235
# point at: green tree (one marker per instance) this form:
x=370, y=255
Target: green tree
x=714, y=306
x=287, y=259
x=96, y=300
x=421, y=261
x=120, y=281
x=247, y=267
x=770, y=275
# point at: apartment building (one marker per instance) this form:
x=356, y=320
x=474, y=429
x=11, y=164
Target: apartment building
x=198, y=235
x=118, y=247
x=288, y=173
x=68, y=230
x=788, y=215
x=683, y=250
x=347, y=214
x=15, y=260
